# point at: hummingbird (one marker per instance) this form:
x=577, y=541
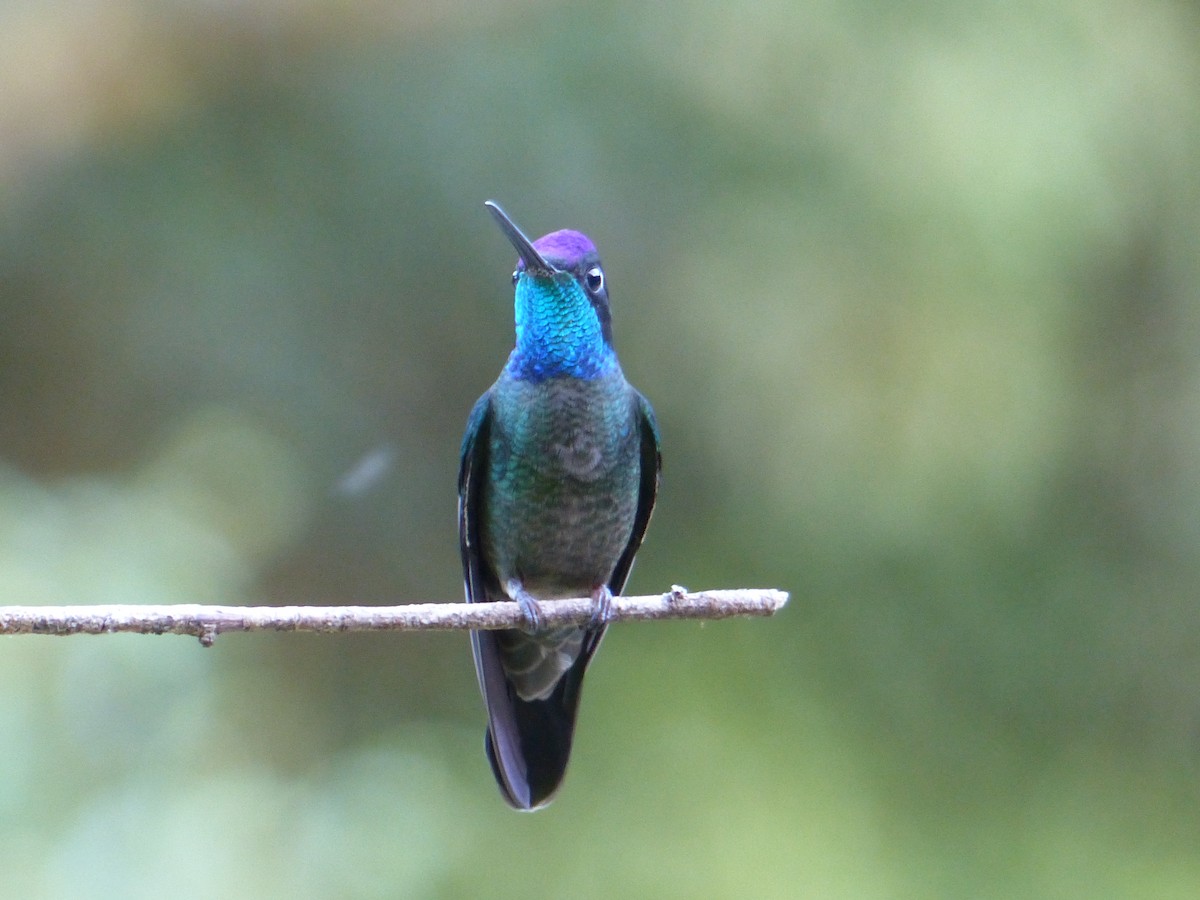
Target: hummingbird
x=558, y=476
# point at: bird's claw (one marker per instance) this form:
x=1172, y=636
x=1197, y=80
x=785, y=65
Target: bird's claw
x=531, y=610
x=602, y=611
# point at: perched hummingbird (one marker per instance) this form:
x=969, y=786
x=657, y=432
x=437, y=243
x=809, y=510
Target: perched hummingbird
x=559, y=472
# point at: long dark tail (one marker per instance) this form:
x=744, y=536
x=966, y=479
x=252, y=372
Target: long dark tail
x=528, y=742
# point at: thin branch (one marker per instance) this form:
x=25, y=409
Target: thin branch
x=206, y=622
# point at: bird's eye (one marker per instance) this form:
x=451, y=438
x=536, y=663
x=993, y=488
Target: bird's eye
x=595, y=279
x=516, y=275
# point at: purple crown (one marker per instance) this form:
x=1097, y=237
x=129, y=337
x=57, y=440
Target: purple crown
x=564, y=248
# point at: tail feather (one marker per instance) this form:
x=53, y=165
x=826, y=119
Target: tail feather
x=528, y=742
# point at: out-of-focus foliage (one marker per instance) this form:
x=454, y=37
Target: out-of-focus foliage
x=913, y=289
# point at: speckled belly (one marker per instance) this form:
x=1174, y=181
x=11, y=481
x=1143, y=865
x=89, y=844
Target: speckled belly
x=560, y=503
x=561, y=538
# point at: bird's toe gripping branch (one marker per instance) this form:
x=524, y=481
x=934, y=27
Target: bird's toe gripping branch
x=602, y=606
x=531, y=610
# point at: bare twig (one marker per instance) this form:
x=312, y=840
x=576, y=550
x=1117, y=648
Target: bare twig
x=206, y=622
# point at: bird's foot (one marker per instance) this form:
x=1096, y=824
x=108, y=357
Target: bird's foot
x=601, y=606
x=531, y=610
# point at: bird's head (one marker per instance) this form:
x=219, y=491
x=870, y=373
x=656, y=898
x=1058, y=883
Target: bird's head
x=561, y=297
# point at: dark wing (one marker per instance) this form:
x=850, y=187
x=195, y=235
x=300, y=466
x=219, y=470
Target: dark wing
x=477, y=575
x=651, y=475
x=472, y=469
x=527, y=743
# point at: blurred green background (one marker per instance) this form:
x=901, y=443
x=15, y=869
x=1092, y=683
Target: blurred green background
x=913, y=289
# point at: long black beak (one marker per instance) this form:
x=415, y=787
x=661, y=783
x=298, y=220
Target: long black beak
x=535, y=264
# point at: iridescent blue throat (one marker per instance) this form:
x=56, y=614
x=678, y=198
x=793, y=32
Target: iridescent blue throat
x=558, y=332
